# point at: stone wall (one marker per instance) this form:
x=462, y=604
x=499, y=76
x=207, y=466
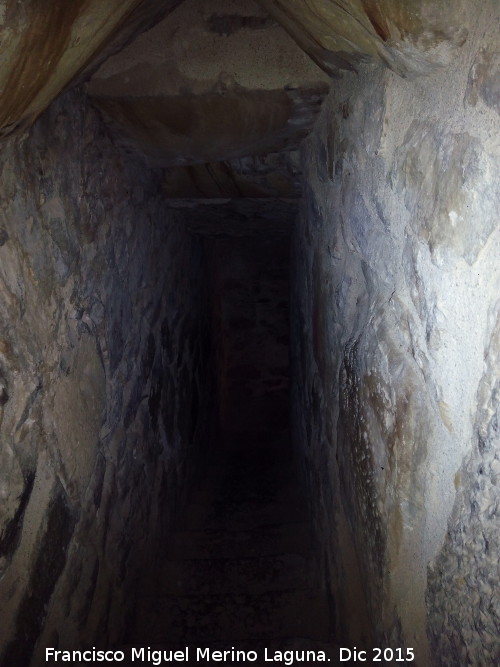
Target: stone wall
x=104, y=380
x=250, y=300
x=394, y=309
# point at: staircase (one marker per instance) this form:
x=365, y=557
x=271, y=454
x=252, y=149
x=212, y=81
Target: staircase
x=239, y=573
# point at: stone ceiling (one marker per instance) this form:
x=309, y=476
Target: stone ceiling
x=46, y=46
x=410, y=36
x=218, y=93
x=210, y=85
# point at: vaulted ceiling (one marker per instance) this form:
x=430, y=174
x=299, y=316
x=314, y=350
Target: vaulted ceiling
x=218, y=93
x=212, y=81
x=44, y=46
x=411, y=37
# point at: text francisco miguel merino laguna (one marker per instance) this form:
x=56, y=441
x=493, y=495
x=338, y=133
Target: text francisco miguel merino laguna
x=159, y=657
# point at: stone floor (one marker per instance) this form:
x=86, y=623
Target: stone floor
x=240, y=572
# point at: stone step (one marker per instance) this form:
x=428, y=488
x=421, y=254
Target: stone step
x=264, y=540
x=202, y=618
x=234, y=575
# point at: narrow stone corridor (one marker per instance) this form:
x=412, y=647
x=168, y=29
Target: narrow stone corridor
x=239, y=572
x=249, y=332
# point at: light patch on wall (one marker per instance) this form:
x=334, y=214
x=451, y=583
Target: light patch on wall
x=448, y=189
x=411, y=38
x=444, y=411
x=79, y=401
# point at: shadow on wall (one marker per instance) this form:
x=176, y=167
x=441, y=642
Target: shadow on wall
x=105, y=387
x=249, y=291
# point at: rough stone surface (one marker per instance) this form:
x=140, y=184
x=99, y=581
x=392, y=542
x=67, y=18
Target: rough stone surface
x=395, y=298
x=205, y=46
x=104, y=380
x=245, y=217
x=272, y=175
x=213, y=81
x=193, y=129
x=412, y=37
x=45, y=47
x=105, y=357
x=463, y=592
